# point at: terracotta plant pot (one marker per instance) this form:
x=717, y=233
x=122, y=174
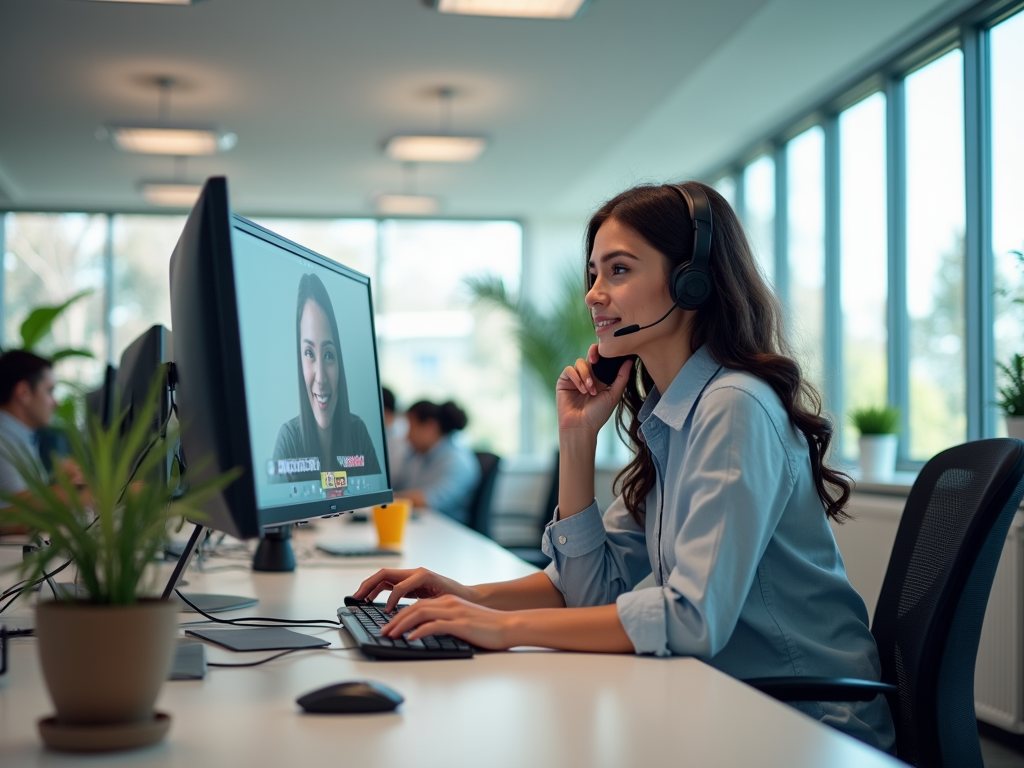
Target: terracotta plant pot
x=104, y=667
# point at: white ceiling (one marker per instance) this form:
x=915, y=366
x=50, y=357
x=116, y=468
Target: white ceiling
x=630, y=90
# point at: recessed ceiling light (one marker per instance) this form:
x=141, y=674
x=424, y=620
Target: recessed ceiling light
x=407, y=205
x=523, y=9
x=169, y=138
x=153, y=2
x=427, y=148
x=171, y=194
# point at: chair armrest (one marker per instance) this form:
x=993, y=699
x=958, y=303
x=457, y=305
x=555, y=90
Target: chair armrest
x=820, y=688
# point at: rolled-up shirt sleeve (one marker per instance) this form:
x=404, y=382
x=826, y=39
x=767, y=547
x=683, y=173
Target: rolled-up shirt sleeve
x=729, y=493
x=595, y=559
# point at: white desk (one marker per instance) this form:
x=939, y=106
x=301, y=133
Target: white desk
x=524, y=708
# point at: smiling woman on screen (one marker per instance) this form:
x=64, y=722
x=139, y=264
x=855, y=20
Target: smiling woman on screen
x=727, y=500
x=326, y=436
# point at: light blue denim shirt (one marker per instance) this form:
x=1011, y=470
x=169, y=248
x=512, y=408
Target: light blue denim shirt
x=447, y=474
x=748, y=576
x=16, y=440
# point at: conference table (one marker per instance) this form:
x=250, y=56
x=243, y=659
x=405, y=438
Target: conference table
x=528, y=707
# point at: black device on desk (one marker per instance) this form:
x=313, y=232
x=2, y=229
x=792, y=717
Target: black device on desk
x=364, y=620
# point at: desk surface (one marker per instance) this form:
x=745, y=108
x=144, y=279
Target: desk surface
x=524, y=708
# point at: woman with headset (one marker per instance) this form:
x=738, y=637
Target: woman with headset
x=727, y=499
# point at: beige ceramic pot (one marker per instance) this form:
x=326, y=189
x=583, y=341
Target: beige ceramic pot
x=104, y=665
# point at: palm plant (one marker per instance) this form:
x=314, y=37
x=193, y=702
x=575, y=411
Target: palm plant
x=549, y=339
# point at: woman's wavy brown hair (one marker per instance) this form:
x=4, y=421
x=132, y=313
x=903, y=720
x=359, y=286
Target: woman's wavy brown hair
x=741, y=325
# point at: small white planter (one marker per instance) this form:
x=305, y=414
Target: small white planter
x=1015, y=427
x=877, y=458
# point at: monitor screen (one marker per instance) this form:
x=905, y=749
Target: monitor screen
x=275, y=374
x=310, y=369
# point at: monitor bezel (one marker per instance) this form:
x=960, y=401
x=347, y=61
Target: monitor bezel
x=282, y=514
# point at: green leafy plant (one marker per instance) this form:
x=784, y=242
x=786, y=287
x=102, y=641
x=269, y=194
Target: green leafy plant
x=1011, y=395
x=881, y=420
x=110, y=524
x=549, y=339
x=37, y=326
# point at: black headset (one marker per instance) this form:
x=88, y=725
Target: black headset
x=690, y=285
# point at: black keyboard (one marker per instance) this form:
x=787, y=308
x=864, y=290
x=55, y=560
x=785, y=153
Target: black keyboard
x=364, y=621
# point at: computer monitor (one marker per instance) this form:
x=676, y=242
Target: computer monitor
x=144, y=363
x=99, y=404
x=276, y=373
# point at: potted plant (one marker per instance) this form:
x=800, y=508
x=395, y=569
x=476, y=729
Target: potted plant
x=1011, y=396
x=878, y=427
x=105, y=656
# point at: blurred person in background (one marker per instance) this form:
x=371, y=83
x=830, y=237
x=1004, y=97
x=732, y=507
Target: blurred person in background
x=439, y=472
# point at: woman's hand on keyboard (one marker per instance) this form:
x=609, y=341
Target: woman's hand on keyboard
x=417, y=582
x=451, y=615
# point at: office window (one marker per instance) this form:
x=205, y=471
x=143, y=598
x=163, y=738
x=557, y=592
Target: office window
x=759, y=213
x=806, y=255
x=1007, y=51
x=352, y=242
x=863, y=257
x=49, y=257
x=935, y=212
x=726, y=187
x=141, y=294
x=433, y=343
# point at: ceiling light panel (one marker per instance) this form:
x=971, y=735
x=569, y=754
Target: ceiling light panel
x=407, y=205
x=152, y=2
x=167, y=139
x=171, y=194
x=435, y=149
x=523, y=9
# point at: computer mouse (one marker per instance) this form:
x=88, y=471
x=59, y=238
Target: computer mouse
x=350, y=697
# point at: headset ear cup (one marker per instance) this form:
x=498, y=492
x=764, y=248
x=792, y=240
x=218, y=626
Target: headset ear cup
x=691, y=288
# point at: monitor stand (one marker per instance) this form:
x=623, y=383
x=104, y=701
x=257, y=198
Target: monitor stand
x=274, y=552
x=205, y=602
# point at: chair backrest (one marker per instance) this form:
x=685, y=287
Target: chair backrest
x=928, y=620
x=480, y=506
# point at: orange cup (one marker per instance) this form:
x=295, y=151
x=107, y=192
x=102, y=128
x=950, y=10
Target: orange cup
x=389, y=520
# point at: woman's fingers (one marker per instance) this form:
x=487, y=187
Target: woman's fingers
x=416, y=614
x=368, y=584
x=404, y=588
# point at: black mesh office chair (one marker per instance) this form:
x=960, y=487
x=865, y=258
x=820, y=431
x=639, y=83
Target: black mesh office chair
x=480, y=506
x=928, y=620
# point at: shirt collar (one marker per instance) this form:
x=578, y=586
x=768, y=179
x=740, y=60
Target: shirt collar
x=675, y=405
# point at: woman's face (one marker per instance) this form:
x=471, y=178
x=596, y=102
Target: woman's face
x=319, y=352
x=629, y=286
x=424, y=434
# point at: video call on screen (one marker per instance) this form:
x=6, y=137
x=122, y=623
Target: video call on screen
x=311, y=387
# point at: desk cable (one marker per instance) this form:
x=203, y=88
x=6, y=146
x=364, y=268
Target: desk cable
x=247, y=621
x=276, y=656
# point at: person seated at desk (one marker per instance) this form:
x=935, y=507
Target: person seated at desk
x=27, y=404
x=437, y=470
x=395, y=430
x=727, y=499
